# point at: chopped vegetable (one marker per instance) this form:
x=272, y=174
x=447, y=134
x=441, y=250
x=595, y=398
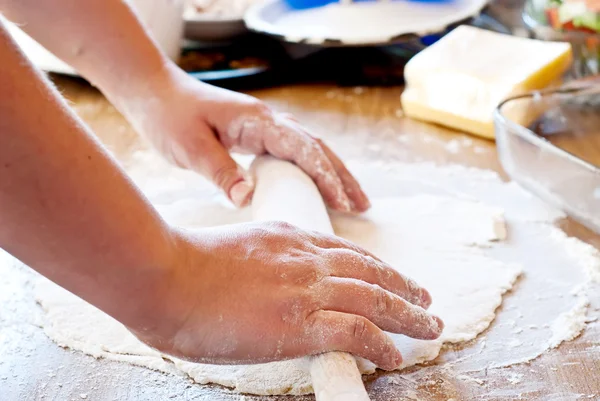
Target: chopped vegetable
x=574, y=15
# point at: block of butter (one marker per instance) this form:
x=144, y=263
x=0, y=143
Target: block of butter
x=458, y=81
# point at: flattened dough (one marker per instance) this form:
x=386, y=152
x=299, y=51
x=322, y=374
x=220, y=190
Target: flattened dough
x=437, y=240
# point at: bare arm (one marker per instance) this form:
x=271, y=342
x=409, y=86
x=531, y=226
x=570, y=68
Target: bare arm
x=68, y=211
x=102, y=39
x=193, y=124
x=65, y=207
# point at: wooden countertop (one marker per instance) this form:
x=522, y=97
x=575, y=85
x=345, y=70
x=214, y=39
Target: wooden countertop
x=360, y=123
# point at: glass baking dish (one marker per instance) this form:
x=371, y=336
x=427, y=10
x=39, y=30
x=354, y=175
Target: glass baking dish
x=549, y=142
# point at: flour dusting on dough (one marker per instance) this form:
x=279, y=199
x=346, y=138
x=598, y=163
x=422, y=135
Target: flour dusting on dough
x=440, y=225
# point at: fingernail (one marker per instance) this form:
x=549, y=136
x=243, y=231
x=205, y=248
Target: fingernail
x=425, y=298
x=397, y=359
x=240, y=193
x=392, y=355
x=367, y=204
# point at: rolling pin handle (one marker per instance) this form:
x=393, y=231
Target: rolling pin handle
x=284, y=192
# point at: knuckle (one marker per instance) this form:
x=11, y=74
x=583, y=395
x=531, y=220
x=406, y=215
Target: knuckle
x=295, y=311
x=384, y=301
x=312, y=320
x=347, y=256
x=223, y=175
x=388, y=272
x=412, y=285
x=300, y=268
x=360, y=328
x=383, y=273
x=373, y=264
x=307, y=275
x=311, y=277
x=356, y=261
x=279, y=230
x=260, y=230
x=334, y=261
x=259, y=108
x=312, y=238
x=415, y=293
x=283, y=226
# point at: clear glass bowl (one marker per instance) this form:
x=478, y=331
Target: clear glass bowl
x=586, y=46
x=549, y=142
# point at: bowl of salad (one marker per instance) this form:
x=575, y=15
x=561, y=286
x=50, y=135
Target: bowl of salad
x=575, y=21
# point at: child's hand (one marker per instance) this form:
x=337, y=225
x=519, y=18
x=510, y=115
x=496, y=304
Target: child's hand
x=196, y=125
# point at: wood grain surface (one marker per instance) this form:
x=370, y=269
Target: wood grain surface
x=360, y=124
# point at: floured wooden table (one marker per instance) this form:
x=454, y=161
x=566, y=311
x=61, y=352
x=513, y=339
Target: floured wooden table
x=360, y=124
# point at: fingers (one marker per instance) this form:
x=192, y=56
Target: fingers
x=347, y=259
x=334, y=331
x=385, y=309
x=220, y=168
x=281, y=136
x=358, y=199
x=311, y=158
x=327, y=241
x=349, y=264
x=290, y=142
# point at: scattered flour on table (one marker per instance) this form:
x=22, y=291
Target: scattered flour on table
x=470, y=379
x=514, y=378
x=440, y=225
x=453, y=146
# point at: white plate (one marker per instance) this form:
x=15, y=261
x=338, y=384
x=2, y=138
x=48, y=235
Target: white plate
x=364, y=23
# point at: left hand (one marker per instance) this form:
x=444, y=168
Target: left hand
x=195, y=125
x=261, y=292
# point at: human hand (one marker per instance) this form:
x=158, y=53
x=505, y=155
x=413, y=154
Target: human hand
x=195, y=125
x=261, y=292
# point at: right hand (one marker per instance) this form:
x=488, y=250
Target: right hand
x=196, y=126
x=262, y=292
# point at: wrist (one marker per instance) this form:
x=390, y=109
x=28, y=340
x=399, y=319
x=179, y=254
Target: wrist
x=161, y=105
x=135, y=291
x=140, y=88
x=164, y=306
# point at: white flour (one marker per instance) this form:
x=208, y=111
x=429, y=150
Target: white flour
x=439, y=225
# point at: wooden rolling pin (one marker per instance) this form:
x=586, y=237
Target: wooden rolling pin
x=285, y=193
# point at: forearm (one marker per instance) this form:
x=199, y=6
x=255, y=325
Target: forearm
x=66, y=209
x=102, y=39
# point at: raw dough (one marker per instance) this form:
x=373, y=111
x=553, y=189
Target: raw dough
x=438, y=240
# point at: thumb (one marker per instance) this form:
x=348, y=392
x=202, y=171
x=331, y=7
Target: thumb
x=218, y=165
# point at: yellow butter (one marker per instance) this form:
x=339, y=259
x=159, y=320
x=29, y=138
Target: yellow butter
x=458, y=81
